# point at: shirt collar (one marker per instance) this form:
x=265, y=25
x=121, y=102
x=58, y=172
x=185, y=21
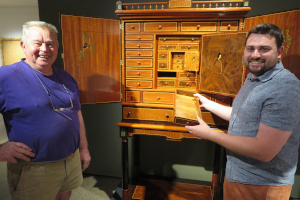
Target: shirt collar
x=268, y=74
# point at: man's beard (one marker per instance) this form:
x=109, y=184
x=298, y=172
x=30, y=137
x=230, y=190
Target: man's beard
x=257, y=71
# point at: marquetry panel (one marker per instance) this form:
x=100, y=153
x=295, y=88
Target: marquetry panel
x=158, y=97
x=160, y=26
x=198, y=26
x=91, y=54
x=188, y=47
x=167, y=47
x=289, y=23
x=148, y=114
x=187, y=75
x=224, y=75
x=187, y=84
x=133, y=96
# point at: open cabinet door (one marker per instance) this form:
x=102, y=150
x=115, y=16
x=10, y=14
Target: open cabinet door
x=221, y=70
x=288, y=22
x=91, y=55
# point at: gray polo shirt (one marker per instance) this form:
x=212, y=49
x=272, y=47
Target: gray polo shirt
x=274, y=100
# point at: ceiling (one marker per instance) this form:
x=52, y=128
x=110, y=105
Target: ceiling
x=20, y=3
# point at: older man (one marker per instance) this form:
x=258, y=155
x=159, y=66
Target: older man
x=47, y=148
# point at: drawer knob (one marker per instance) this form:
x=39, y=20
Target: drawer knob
x=166, y=83
x=158, y=97
x=163, y=56
x=139, y=37
x=167, y=116
x=159, y=27
x=188, y=75
x=138, y=45
x=165, y=39
x=129, y=113
x=187, y=123
x=167, y=47
x=198, y=26
x=177, y=65
x=189, y=47
x=138, y=73
x=132, y=27
x=138, y=63
x=229, y=26
x=139, y=53
x=162, y=65
x=138, y=84
x=187, y=84
x=131, y=98
x=193, y=39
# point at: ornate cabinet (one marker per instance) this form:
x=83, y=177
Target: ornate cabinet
x=171, y=50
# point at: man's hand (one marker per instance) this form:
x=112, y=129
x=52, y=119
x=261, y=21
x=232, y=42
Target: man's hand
x=204, y=102
x=202, y=130
x=85, y=158
x=9, y=151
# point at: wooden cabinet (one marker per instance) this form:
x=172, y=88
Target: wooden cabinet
x=167, y=50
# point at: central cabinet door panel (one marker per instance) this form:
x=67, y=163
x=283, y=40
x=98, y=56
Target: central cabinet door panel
x=222, y=74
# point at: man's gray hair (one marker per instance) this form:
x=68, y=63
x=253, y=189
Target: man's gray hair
x=40, y=24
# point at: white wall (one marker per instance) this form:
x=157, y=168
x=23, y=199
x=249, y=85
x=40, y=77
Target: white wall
x=12, y=20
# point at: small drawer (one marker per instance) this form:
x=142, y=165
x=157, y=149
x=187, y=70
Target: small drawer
x=177, y=66
x=178, y=40
x=148, y=114
x=139, y=63
x=163, y=65
x=167, y=47
x=138, y=84
x=158, y=97
x=138, y=73
x=138, y=45
x=229, y=26
x=163, y=55
x=189, y=47
x=133, y=96
x=133, y=27
x=165, y=83
x=224, y=100
x=139, y=53
x=187, y=84
x=139, y=37
x=198, y=26
x=160, y=26
x=187, y=75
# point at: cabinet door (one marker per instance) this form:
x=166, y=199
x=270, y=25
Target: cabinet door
x=91, y=49
x=225, y=74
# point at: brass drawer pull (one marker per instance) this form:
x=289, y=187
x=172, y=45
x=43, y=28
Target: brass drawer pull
x=193, y=39
x=131, y=98
x=138, y=73
x=138, y=45
x=167, y=116
x=138, y=53
x=162, y=65
x=158, y=97
x=167, y=47
x=188, y=75
x=229, y=26
x=198, y=26
x=132, y=27
x=138, y=63
x=163, y=56
x=138, y=84
x=187, y=84
x=159, y=27
x=166, y=83
x=189, y=47
x=139, y=37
